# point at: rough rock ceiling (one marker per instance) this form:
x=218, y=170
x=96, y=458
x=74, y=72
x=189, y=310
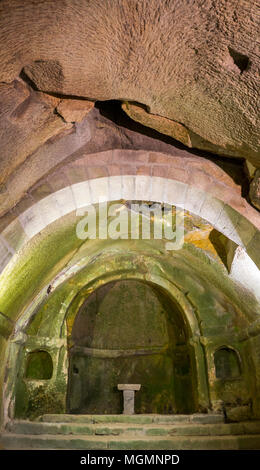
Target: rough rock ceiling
x=188, y=69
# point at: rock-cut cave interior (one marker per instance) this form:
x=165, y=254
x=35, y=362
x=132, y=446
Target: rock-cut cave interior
x=129, y=224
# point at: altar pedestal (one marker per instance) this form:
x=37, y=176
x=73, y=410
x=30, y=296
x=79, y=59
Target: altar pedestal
x=129, y=397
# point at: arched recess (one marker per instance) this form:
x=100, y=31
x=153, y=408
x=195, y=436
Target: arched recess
x=99, y=276
x=227, y=363
x=129, y=331
x=39, y=365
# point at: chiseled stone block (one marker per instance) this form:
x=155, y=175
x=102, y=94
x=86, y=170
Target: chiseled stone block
x=157, y=188
x=194, y=199
x=245, y=231
x=143, y=188
x=175, y=193
x=49, y=209
x=128, y=187
x=65, y=200
x=81, y=193
x=115, y=188
x=211, y=209
x=32, y=221
x=3, y=249
x=99, y=190
x=15, y=235
x=227, y=221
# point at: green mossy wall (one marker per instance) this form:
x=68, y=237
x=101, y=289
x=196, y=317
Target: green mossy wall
x=95, y=389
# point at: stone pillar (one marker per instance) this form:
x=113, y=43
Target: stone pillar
x=129, y=397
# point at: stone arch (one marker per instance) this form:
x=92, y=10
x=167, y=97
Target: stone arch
x=176, y=295
x=134, y=175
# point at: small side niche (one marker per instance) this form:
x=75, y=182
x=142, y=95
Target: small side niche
x=39, y=366
x=227, y=363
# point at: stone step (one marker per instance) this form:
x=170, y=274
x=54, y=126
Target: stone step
x=136, y=419
x=123, y=429
x=20, y=441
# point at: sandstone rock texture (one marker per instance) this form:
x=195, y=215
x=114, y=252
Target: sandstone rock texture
x=27, y=120
x=94, y=134
x=254, y=193
x=194, y=62
x=74, y=110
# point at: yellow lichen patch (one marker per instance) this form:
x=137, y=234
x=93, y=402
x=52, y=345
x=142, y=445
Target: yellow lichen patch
x=201, y=239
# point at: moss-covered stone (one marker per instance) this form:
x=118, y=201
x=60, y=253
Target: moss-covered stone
x=41, y=401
